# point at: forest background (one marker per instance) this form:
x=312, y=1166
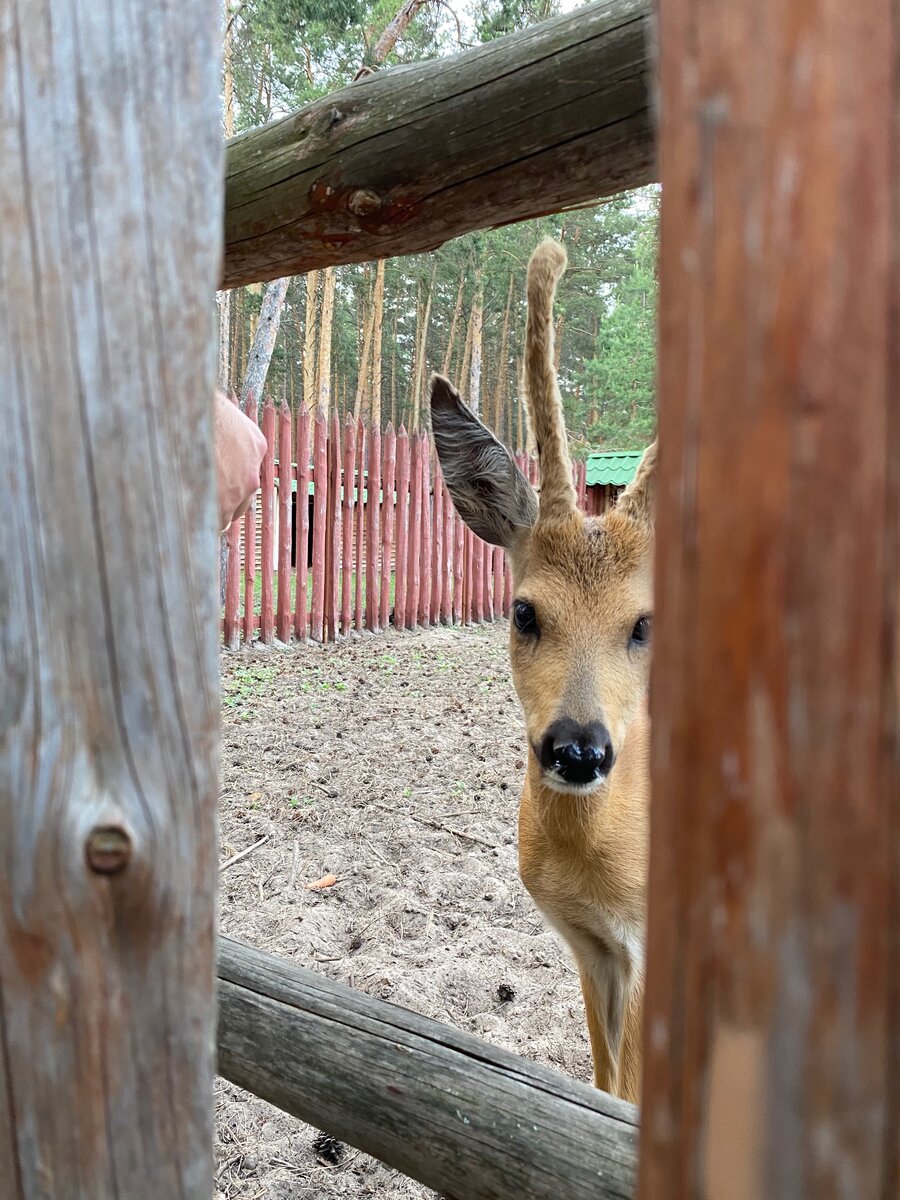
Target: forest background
x=364, y=338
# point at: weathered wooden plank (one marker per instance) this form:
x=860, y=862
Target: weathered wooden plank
x=402, y=539
x=333, y=529
x=497, y=568
x=447, y=560
x=415, y=532
x=558, y=114
x=347, y=506
x=373, y=531
x=459, y=566
x=772, y=1016
x=301, y=544
x=285, y=501
x=267, y=541
x=427, y=536
x=463, y=1117
x=387, y=521
x=320, y=526
x=250, y=547
x=232, y=579
x=437, y=521
x=109, y=252
x=362, y=458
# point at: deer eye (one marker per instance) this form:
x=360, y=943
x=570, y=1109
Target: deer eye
x=643, y=627
x=525, y=618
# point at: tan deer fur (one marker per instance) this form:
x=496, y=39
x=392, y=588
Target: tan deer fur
x=582, y=847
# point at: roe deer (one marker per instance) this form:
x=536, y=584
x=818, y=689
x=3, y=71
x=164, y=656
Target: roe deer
x=580, y=648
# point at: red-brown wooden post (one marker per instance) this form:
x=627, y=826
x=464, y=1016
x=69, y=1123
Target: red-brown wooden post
x=389, y=470
x=233, y=579
x=447, y=561
x=320, y=525
x=373, y=531
x=362, y=460
x=415, y=532
x=402, y=538
x=773, y=991
x=301, y=544
x=285, y=503
x=427, y=536
x=347, y=532
x=267, y=543
x=487, y=554
x=437, y=557
x=333, y=529
x=497, y=569
x=469, y=577
x=581, y=484
x=459, y=569
x=250, y=548
x=110, y=245
x=477, y=560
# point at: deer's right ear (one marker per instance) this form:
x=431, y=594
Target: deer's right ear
x=489, y=491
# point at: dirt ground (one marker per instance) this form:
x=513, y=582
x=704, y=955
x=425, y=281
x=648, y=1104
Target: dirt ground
x=393, y=762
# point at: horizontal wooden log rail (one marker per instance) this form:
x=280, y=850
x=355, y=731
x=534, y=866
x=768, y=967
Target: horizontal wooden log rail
x=461, y=1116
x=402, y=160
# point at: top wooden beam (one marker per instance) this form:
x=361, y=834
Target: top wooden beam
x=403, y=160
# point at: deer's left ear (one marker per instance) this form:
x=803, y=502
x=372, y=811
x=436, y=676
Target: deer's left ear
x=638, y=501
x=489, y=491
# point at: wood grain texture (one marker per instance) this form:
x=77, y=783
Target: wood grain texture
x=772, y=1018
x=404, y=159
x=373, y=530
x=267, y=521
x=471, y=1121
x=285, y=531
x=349, y=487
x=388, y=478
x=109, y=699
x=301, y=554
x=401, y=584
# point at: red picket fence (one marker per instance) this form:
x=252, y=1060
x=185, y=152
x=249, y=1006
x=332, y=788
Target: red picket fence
x=358, y=534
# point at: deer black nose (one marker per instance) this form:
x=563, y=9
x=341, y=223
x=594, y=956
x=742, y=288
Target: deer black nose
x=577, y=754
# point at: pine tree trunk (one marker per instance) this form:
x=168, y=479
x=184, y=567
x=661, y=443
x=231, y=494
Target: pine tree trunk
x=422, y=340
x=502, y=370
x=454, y=324
x=362, y=378
x=223, y=374
x=323, y=372
x=376, y=343
x=477, y=324
x=264, y=341
x=394, y=376
x=388, y=39
x=520, y=408
x=309, y=347
x=467, y=354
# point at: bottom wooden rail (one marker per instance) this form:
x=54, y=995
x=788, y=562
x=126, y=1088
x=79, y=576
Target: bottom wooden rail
x=461, y=1116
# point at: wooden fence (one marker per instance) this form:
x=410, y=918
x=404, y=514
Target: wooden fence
x=360, y=535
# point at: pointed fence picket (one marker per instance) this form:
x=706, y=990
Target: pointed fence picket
x=354, y=530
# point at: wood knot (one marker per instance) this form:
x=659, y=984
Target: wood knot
x=364, y=202
x=108, y=849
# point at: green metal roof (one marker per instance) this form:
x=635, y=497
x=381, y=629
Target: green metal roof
x=612, y=467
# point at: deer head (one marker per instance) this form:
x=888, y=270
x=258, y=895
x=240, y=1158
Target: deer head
x=581, y=616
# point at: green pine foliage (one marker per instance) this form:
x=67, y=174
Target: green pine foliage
x=288, y=52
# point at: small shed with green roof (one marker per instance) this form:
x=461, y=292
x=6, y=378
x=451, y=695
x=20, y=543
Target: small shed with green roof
x=606, y=473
